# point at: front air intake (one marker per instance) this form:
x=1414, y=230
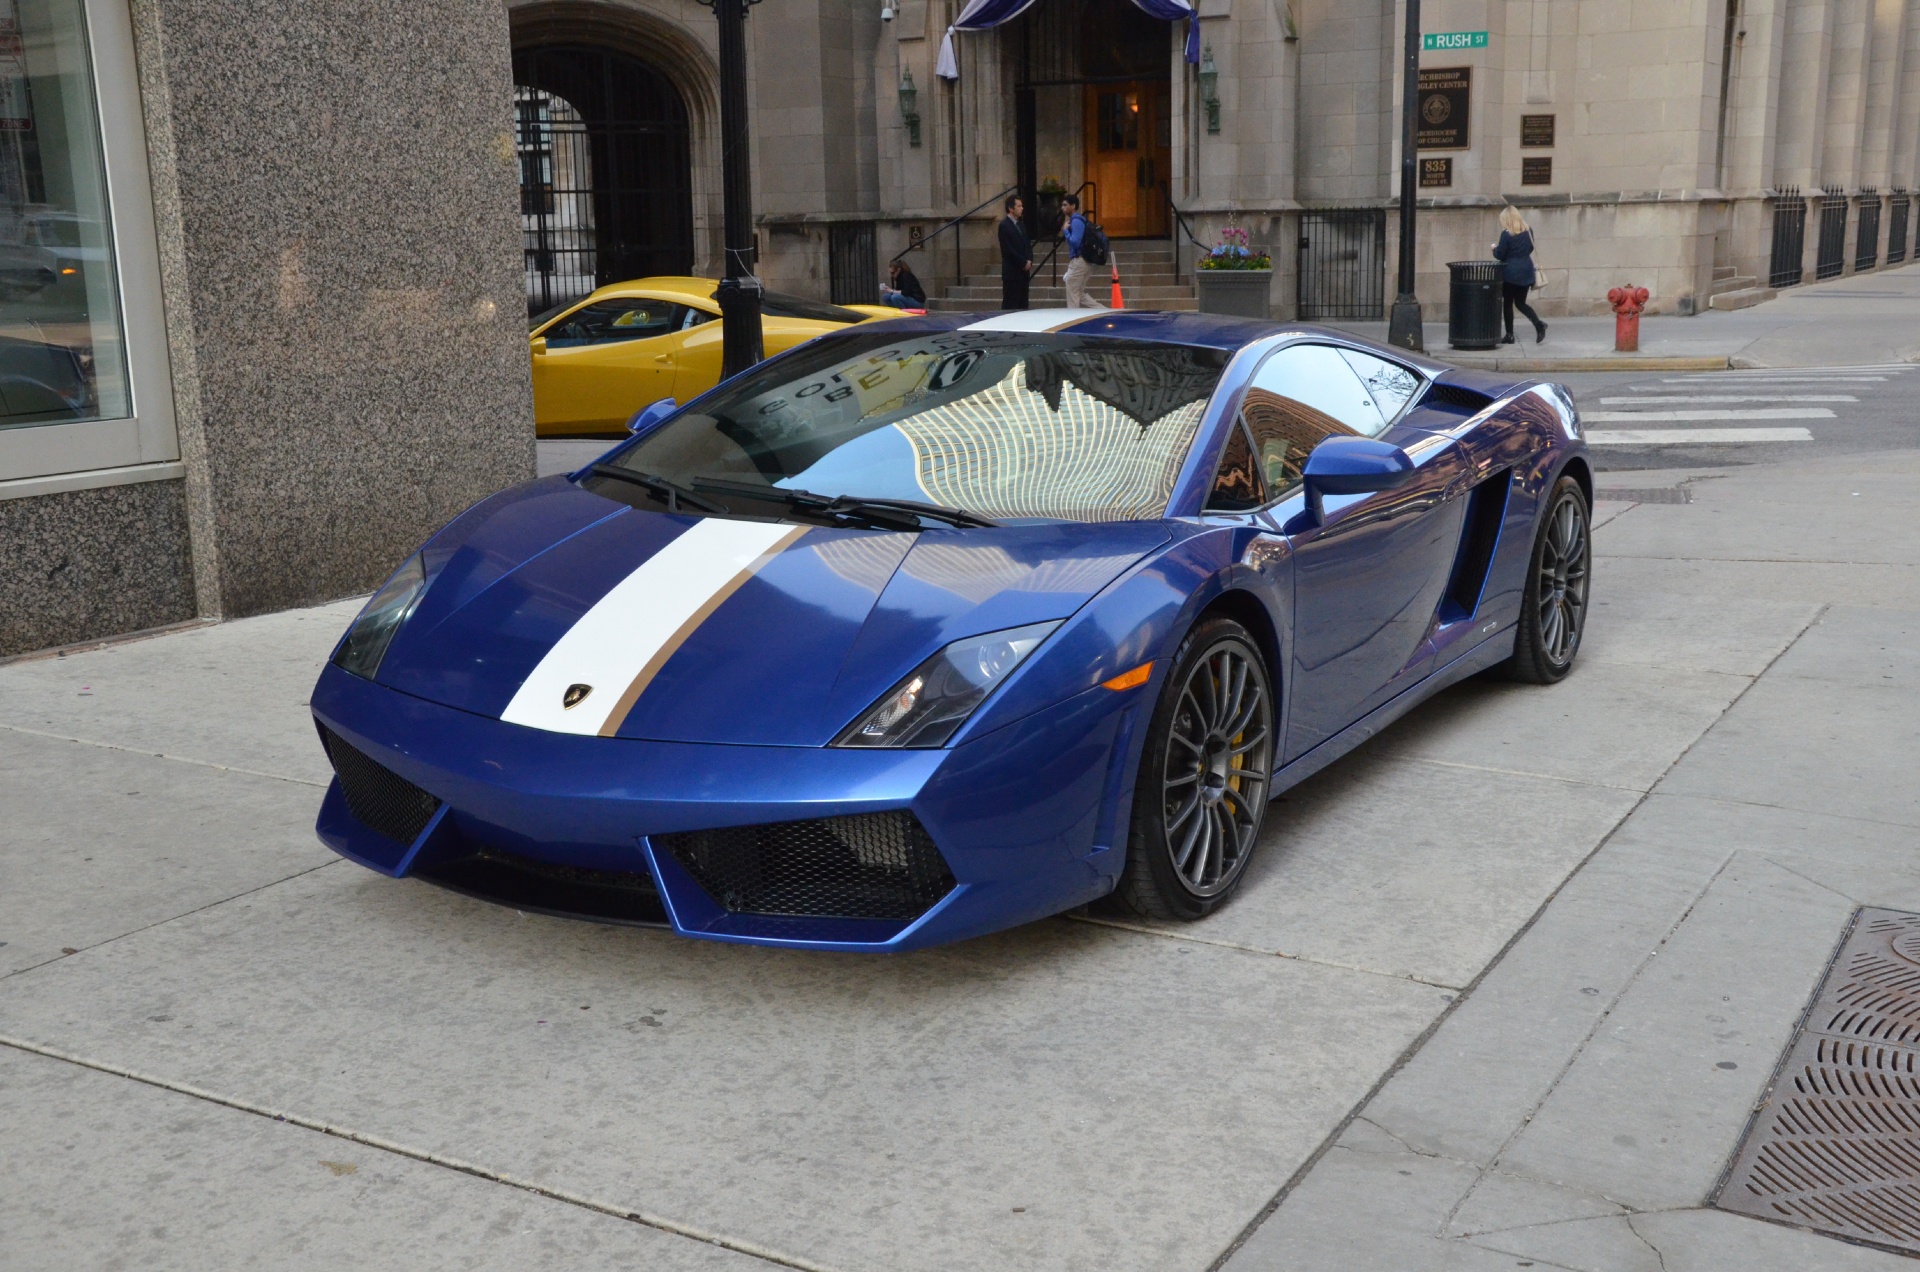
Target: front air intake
x=377, y=796
x=868, y=866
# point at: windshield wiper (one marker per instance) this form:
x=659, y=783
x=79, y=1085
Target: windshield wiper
x=864, y=507
x=660, y=488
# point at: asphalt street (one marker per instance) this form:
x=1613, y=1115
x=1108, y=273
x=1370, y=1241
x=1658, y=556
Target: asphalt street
x=1712, y=419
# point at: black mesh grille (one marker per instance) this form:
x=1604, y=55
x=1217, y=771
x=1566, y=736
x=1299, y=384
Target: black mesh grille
x=1441, y=393
x=869, y=866
x=606, y=896
x=378, y=796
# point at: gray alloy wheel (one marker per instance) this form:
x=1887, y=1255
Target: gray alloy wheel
x=1204, y=773
x=1553, y=611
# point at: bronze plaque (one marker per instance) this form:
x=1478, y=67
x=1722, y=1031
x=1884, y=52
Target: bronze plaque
x=1444, y=102
x=1537, y=171
x=1536, y=131
x=1436, y=173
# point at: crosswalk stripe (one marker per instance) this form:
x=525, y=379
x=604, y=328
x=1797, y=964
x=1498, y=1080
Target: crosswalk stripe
x=1694, y=436
x=1788, y=379
x=1683, y=399
x=1676, y=417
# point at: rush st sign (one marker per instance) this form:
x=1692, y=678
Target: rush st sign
x=1449, y=41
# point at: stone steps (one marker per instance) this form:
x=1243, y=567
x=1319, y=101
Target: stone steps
x=1744, y=298
x=1731, y=282
x=1147, y=281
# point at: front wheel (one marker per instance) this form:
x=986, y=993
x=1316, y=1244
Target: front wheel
x=1553, y=611
x=1204, y=773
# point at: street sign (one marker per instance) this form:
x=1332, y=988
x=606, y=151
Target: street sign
x=1438, y=41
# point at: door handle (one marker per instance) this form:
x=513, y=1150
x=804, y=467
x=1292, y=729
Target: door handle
x=662, y=358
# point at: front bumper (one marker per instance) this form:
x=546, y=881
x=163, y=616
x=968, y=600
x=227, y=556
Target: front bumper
x=1024, y=817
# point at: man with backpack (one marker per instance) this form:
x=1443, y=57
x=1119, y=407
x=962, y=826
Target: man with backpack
x=1086, y=247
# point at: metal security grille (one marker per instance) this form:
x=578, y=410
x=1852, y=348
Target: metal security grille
x=605, y=172
x=1866, y=239
x=1788, y=268
x=376, y=795
x=1343, y=253
x=868, y=866
x=1835, y=1146
x=1832, y=261
x=851, y=263
x=1897, y=227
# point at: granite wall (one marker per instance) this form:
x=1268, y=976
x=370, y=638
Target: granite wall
x=337, y=200
x=91, y=563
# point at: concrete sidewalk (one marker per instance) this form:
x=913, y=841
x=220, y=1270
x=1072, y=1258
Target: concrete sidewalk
x=1864, y=320
x=1473, y=1009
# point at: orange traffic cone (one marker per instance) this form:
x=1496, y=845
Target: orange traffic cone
x=1119, y=301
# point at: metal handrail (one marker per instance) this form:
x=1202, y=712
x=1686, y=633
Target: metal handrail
x=959, y=275
x=1181, y=221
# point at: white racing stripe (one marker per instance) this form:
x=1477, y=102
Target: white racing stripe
x=1679, y=417
x=1694, y=436
x=618, y=645
x=1035, y=320
x=1708, y=398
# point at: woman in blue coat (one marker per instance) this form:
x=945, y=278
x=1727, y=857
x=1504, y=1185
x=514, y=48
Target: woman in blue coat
x=1514, y=251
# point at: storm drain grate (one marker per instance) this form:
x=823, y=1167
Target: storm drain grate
x=1836, y=1145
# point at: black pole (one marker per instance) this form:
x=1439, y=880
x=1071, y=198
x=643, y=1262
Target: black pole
x=1404, y=327
x=739, y=292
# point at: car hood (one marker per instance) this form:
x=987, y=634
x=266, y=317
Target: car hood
x=711, y=629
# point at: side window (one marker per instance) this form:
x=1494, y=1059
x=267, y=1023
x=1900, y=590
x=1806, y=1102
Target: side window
x=1236, y=486
x=1298, y=398
x=1391, y=384
x=611, y=320
x=691, y=317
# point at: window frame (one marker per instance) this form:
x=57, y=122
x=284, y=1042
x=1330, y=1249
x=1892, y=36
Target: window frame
x=40, y=459
x=1235, y=419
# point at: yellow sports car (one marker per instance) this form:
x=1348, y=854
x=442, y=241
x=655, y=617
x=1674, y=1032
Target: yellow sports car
x=596, y=361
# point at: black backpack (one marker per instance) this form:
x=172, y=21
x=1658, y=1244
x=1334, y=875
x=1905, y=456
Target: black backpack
x=1093, y=245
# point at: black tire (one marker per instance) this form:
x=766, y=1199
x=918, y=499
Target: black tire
x=1212, y=734
x=1553, y=608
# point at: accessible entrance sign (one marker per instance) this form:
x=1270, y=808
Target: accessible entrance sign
x=1448, y=41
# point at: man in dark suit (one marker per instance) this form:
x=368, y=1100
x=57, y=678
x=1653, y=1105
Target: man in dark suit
x=1016, y=257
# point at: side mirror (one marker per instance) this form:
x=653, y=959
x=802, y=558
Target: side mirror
x=539, y=345
x=1353, y=466
x=646, y=417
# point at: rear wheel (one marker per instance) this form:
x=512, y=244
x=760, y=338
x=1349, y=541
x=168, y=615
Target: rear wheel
x=1204, y=774
x=1553, y=612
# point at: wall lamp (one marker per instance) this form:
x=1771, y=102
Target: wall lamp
x=910, y=107
x=1210, y=89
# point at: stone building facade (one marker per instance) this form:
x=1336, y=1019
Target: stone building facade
x=263, y=269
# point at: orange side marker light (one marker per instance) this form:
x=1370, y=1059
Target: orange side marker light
x=1129, y=679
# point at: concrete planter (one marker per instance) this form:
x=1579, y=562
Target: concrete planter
x=1242, y=293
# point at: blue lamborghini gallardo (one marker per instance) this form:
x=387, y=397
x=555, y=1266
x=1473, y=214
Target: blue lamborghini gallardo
x=935, y=626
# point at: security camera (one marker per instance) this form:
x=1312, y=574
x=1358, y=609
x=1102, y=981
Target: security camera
x=886, y=13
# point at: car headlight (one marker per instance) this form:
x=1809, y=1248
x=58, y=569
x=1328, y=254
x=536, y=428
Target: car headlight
x=367, y=640
x=926, y=708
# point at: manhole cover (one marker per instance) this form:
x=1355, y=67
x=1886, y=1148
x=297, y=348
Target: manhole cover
x=1836, y=1145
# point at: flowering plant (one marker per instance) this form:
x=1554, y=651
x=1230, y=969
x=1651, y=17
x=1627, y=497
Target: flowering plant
x=1236, y=251
x=1051, y=185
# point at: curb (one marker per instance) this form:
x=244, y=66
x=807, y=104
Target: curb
x=1616, y=362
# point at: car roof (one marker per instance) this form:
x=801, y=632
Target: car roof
x=681, y=287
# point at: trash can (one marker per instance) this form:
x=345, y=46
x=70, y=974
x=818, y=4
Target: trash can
x=1473, y=304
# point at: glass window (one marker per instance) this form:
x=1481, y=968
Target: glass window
x=1300, y=396
x=610, y=320
x=1009, y=425
x=1237, y=486
x=1391, y=384
x=62, y=350
x=694, y=317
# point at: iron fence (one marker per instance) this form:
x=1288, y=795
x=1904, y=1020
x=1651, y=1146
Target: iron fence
x=1343, y=254
x=1897, y=227
x=1832, y=261
x=1866, y=238
x=1788, y=265
x=852, y=264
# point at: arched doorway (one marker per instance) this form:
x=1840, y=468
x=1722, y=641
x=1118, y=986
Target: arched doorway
x=1127, y=115
x=605, y=171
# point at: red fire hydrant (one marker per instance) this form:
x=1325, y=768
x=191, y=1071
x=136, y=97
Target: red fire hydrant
x=1627, y=303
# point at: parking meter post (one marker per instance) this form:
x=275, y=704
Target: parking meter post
x=739, y=292
x=1405, y=327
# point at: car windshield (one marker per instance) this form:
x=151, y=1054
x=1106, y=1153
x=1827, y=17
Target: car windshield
x=1008, y=426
